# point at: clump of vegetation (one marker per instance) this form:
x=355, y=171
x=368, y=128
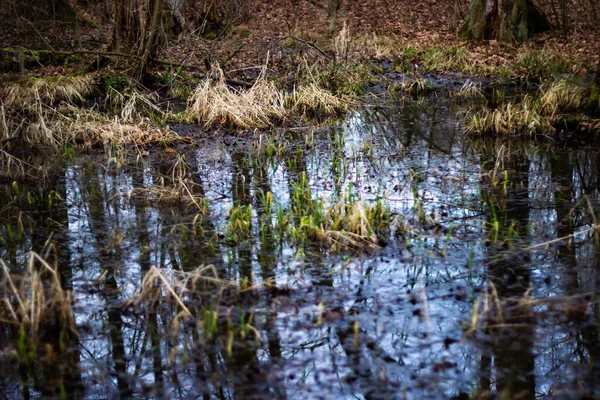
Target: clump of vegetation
x=470, y=90
x=311, y=98
x=347, y=80
x=522, y=117
x=378, y=46
x=353, y=79
x=412, y=87
x=239, y=225
x=562, y=95
x=214, y=101
x=44, y=112
x=593, y=102
x=442, y=59
x=35, y=299
x=25, y=92
x=530, y=115
x=348, y=223
x=132, y=104
x=538, y=65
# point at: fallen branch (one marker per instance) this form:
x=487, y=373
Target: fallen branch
x=309, y=43
x=9, y=139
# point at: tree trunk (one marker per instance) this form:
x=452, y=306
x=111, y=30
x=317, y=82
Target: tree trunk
x=126, y=31
x=148, y=50
x=177, y=9
x=597, y=80
x=508, y=20
x=332, y=8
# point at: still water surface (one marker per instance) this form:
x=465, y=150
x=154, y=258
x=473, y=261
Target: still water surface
x=470, y=294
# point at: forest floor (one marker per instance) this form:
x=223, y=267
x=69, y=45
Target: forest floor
x=270, y=25
x=288, y=42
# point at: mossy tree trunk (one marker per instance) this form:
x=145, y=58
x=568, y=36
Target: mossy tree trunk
x=597, y=80
x=503, y=20
x=332, y=8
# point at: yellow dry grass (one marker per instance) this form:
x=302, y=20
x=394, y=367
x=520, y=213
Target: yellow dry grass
x=35, y=298
x=23, y=93
x=214, y=101
x=523, y=117
x=562, y=95
x=312, y=98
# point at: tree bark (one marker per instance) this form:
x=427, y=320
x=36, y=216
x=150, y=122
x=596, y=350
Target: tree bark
x=597, y=80
x=127, y=26
x=507, y=20
x=148, y=50
x=332, y=8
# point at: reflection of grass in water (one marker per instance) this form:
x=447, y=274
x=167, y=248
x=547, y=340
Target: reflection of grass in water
x=180, y=188
x=195, y=297
x=37, y=305
x=36, y=298
x=412, y=87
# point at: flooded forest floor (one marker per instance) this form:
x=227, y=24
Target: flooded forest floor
x=361, y=215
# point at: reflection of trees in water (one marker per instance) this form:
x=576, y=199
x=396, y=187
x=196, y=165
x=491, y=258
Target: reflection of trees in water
x=576, y=194
x=141, y=353
x=38, y=216
x=510, y=338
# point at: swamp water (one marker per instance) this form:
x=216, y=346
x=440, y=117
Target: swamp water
x=480, y=278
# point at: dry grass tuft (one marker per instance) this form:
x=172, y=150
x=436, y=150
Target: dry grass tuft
x=23, y=93
x=35, y=299
x=454, y=58
x=341, y=44
x=312, y=98
x=412, y=87
x=378, y=46
x=43, y=114
x=510, y=118
x=562, y=95
x=470, y=90
x=133, y=104
x=214, y=101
